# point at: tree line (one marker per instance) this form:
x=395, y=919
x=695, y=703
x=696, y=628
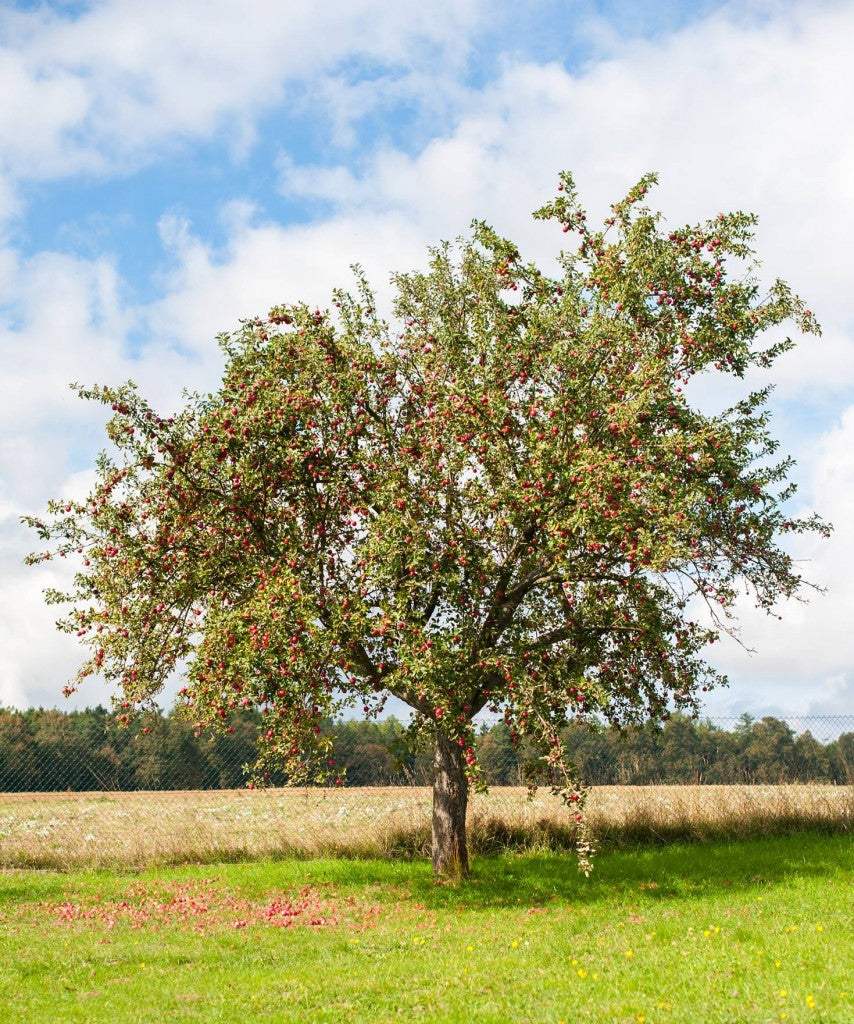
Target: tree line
x=48, y=751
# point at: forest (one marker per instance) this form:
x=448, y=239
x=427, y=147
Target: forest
x=49, y=751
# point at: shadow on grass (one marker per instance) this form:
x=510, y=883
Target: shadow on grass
x=500, y=880
x=657, y=873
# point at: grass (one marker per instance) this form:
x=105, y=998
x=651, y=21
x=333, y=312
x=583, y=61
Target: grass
x=79, y=830
x=758, y=931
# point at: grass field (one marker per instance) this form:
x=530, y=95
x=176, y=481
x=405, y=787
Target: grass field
x=758, y=931
x=77, y=830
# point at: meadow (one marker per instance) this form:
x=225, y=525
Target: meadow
x=706, y=904
x=756, y=931
x=92, y=830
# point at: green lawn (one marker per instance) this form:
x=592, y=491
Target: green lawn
x=758, y=931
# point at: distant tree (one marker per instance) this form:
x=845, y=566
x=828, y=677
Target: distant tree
x=503, y=498
x=370, y=764
x=153, y=754
x=589, y=747
x=769, y=751
x=62, y=753
x=744, y=725
x=843, y=759
x=719, y=754
x=681, y=759
x=497, y=756
x=810, y=762
x=18, y=761
x=225, y=757
x=86, y=750
x=369, y=753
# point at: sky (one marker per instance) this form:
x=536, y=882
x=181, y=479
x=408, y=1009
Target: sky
x=167, y=170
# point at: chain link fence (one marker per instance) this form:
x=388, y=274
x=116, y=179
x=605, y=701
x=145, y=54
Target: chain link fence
x=48, y=751
x=77, y=790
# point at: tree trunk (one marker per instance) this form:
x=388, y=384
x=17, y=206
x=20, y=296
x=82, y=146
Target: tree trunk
x=450, y=798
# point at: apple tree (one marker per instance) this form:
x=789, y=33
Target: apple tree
x=501, y=497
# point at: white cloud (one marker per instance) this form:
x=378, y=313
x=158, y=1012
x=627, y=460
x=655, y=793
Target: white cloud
x=63, y=322
x=804, y=661
x=108, y=87
x=265, y=264
x=36, y=660
x=734, y=114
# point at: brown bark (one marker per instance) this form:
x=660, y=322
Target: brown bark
x=450, y=798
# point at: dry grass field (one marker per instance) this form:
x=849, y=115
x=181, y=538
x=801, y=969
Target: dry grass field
x=80, y=830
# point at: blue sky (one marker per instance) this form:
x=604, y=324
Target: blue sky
x=166, y=170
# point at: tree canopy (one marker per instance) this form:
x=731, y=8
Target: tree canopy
x=498, y=497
